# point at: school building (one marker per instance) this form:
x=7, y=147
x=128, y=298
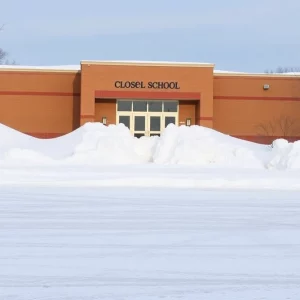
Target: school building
x=48, y=102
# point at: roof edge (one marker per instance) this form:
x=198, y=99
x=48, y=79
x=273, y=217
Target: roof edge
x=259, y=75
x=146, y=63
x=39, y=69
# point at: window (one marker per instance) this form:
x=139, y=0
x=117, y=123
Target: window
x=124, y=105
x=147, y=106
x=155, y=106
x=140, y=106
x=170, y=106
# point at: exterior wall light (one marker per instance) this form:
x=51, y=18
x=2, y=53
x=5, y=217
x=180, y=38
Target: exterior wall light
x=188, y=122
x=104, y=120
x=266, y=87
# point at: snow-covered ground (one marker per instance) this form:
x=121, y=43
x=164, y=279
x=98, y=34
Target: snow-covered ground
x=148, y=243
x=194, y=214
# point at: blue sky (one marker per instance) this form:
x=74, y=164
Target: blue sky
x=236, y=35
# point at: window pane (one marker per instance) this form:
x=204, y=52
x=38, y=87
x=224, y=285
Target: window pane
x=125, y=120
x=169, y=120
x=155, y=106
x=138, y=135
x=124, y=105
x=170, y=106
x=139, y=123
x=154, y=123
x=139, y=105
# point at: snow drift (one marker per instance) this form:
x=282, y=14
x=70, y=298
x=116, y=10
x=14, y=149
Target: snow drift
x=96, y=144
x=92, y=143
x=203, y=146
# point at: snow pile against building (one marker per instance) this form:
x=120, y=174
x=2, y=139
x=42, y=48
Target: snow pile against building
x=112, y=144
x=96, y=144
x=92, y=143
x=203, y=146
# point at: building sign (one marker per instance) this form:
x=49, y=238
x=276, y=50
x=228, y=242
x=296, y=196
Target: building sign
x=159, y=85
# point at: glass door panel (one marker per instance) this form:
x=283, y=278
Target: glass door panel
x=170, y=120
x=154, y=125
x=125, y=120
x=139, y=123
x=139, y=126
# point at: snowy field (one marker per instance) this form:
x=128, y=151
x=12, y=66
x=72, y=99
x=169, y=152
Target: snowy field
x=192, y=215
x=148, y=243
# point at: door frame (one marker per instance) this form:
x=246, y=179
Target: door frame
x=131, y=114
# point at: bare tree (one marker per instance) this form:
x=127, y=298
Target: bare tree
x=294, y=90
x=283, y=126
x=3, y=54
x=266, y=129
x=283, y=70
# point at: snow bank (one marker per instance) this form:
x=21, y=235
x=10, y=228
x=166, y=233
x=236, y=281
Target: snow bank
x=112, y=144
x=92, y=143
x=198, y=145
x=284, y=155
x=96, y=144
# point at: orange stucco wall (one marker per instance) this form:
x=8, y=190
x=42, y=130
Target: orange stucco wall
x=102, y=77
x=43, y=104
x=49, y=103
x=243, y=108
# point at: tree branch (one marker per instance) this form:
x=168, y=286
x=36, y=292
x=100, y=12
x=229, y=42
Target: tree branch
x=3, y=54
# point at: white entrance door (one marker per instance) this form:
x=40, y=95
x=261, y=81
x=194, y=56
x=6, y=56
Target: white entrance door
x=148, y=124
x=147, y=118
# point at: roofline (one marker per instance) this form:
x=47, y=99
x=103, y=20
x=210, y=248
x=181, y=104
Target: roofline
x=147, y=63
x=216, y=73
x=260, y=75
x=37, y=70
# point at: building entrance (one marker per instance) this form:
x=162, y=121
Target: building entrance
x=147, y=117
